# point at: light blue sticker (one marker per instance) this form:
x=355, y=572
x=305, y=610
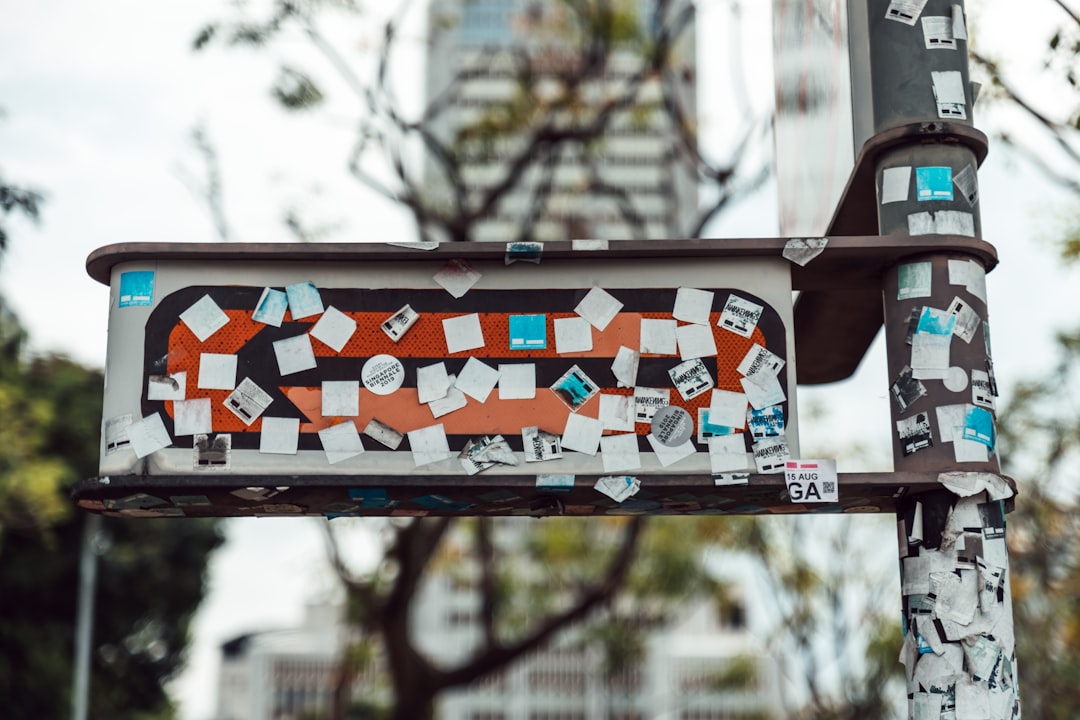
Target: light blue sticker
x=136, y=288
x=555, y=483
x=707, y=429
x=304, y=300
x=979, y=426
x=528, y=332
x=371, y=498
x=933, y=183
x=936, y=322
x=271, y=308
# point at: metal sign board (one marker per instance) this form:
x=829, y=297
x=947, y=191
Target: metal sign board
x=367, y=374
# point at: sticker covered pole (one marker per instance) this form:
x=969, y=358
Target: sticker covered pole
x=958, y=628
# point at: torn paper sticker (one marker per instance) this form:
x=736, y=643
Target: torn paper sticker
x=905, y=11
x=647, y=401
x=695, y=341
x=740, y=315
x=481, y=453
x=625, y=366
x=457, y=277
x=212, y=452
x=982, y=394
x=453, y=400
x=693, y=305
x=540, y=445
x=167, y=387
x=279, y=436
x=304, y=300
x=463, y=333
x=270, y=310
x=942, y=222
x=204, y=318
x=949, y=94
x=399, y=323
x=914, y=280
x=217, y=371
x=340, y=398
x=771, y=456
x=967, y=320
x=582, y=434
x=618, y=488
x=691, y=378
x=617, y=412
x=620, y=452
x=294, y=354
x=248, y=401
x=802, y=250
x=575, y=388
x=598, y=307
x=906, y=389
x=573, y=335
x=334, y=329
x=115, y=433
x=341, y=442
x=759, y=361
x=812, y=480
x=967, y=184
x=938, y=32
x=709, y=429
x=383, y=434
x=657, y=337
x=667, y=456
x=148, y=435
x=914, y=433
x=429, y=445
x=529, y=252
x=895, y=182
x=766, y=422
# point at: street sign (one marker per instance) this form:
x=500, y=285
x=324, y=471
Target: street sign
x=475, y=379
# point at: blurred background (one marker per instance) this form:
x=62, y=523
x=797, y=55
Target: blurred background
x=329, y=121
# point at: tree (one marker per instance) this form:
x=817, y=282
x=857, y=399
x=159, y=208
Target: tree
x=1040, y=435
x=151, y=574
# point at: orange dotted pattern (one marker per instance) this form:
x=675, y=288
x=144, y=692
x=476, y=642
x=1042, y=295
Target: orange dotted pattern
x=427, y=340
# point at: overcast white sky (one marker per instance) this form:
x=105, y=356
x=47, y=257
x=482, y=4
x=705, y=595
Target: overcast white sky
x=100, y=102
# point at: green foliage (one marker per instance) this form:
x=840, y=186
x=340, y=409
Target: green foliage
x=150, y=578
x=1040, y=439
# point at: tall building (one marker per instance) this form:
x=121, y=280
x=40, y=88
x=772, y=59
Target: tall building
x=498, y=64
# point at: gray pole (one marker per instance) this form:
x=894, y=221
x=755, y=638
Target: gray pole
x=959, y=645
x=84, y=624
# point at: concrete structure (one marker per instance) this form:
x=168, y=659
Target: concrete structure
x=638, y=167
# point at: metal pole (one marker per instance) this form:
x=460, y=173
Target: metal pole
x=84, y=624
x=959, y=646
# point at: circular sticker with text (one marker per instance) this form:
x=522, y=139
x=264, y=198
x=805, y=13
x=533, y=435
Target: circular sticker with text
x=383, y=374
x=672, y=426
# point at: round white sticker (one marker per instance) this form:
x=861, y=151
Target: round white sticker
x=383, y=374
x=672, y=426
x=956, y=380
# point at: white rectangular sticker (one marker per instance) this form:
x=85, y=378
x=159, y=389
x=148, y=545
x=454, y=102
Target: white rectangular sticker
x=248, y=401
x=812, y=480
x=740, y=316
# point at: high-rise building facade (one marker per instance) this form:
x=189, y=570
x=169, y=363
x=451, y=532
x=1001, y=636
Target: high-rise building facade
x=502, y=81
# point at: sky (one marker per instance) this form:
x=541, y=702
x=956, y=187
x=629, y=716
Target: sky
x=100, y=101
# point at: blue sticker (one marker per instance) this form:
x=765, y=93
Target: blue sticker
x=371, y=498
x=271, y=307
x=936, y=322
x=528, y=332
x=767, y=422
x=933, y=183
x=440, y=502
x=979, y=426
x=136, y=288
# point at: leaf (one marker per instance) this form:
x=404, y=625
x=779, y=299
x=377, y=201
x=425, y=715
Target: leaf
x=204, y=36
x=295, y=90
